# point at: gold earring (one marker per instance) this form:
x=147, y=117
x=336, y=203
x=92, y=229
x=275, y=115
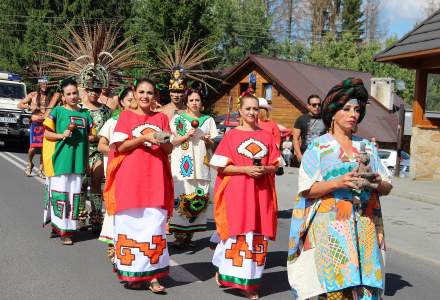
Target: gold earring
x=332, y=126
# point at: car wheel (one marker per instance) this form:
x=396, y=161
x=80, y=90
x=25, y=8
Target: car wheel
x=391, y=169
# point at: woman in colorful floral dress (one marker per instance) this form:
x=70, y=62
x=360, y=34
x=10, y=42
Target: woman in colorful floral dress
x=193, y=135
x=336, y=245
x=245, y=201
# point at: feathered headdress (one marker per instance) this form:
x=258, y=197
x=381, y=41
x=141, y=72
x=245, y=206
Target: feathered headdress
x=37, y=70
x=92, y=56
x=184, y=60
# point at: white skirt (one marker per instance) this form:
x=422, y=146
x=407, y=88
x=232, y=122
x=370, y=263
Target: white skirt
x=190, y=208
x=240, y=260
x=141, y=252
x=108, y=230
x=61, y=204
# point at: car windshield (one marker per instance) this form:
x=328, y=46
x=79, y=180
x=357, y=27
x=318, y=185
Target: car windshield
x=404, y=155
x=11, y=90
x=384, y=154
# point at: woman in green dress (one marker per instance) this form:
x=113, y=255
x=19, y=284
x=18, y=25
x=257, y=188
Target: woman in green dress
x=65, y=152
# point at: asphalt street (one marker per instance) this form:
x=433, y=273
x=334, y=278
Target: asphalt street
x=32, y=266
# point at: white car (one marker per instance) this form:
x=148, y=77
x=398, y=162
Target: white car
x=388, y=158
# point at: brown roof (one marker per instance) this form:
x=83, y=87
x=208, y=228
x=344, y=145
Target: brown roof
x=299, y=80
x=424, y=39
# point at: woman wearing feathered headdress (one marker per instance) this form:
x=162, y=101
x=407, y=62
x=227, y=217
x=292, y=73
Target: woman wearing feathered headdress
x=92, y=57
x=336, y=245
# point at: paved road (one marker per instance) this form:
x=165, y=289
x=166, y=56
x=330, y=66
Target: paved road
x=32, y=266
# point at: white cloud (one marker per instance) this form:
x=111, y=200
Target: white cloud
x=408, y=10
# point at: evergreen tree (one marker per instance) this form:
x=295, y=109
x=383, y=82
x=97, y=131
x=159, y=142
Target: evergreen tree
x=353, y=18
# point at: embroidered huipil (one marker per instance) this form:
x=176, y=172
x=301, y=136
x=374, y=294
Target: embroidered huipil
x=242, y=203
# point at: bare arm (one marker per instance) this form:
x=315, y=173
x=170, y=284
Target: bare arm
x=53, y=136
x=25, y=103
x=52, y=103
x=178, y=139
x=251, y=171
x=296, y=143
x=129, y=145
x=103, y=145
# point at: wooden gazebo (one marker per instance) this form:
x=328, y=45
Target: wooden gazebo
x=420, y=50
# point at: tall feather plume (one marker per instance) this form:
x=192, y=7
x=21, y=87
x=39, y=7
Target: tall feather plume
x=91, y=53
x=188, y=57
x=38, y=69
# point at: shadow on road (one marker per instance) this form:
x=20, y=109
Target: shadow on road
x=197, y=245
x=276, y=259
x=203, y=271
x=271, y=283
x=285, y=214
x=393, y=283
x=14, y=146
x=82, y=236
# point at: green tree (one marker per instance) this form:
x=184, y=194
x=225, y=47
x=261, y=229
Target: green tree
x=239, y=28
x=28, y=27
x=353, y=18
x=347, y=53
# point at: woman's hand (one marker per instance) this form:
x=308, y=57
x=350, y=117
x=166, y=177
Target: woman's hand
x=255, y=171
x=346, y=181
x=190, y=133
x=66, y=134
x=149, y=137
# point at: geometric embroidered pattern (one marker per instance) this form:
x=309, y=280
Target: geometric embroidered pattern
x=124, y=247
x=240, y=251
x=60, y=203
x=252, y=148
x=186, y=166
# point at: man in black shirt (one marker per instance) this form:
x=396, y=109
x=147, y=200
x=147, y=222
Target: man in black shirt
x=308, y=126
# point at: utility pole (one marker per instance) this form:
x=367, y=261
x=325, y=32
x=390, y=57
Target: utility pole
x=400, y=128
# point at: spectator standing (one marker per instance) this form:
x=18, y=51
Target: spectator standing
x=308, y=126
x=287, y=151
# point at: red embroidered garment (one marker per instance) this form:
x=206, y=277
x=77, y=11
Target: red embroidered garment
x=244, y=204
x=141, y=178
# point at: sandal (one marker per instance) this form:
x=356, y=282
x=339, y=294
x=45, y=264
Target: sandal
x=66, y=241
x=41, y=174
x=28, y=170
x=155, y=287
x=253, y=295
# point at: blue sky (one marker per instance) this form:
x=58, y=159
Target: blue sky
x=400, y=16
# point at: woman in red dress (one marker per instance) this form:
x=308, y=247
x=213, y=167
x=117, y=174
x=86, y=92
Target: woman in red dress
x=245, y=201
x=139, y=191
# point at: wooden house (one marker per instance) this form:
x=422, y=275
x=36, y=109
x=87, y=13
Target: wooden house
x=420, y=50
x=287, y=84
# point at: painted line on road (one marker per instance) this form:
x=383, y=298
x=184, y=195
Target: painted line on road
x=19, y=163
x=177, y=272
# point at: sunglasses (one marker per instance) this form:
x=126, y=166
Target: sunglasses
x=315, y=105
